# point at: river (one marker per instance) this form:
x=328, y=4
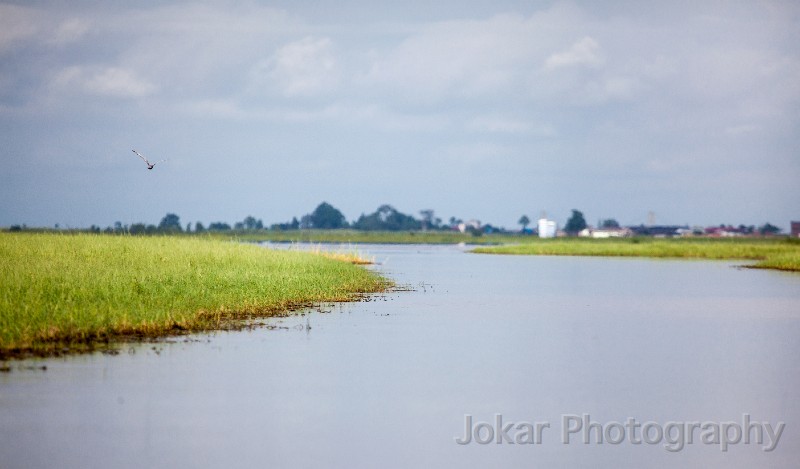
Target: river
x=553, y=361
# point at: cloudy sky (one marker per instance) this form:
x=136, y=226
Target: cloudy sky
x=476, y=109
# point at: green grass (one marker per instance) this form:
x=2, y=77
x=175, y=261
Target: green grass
x=80, y=289
x=772, y=253
x=789, y=261
x=371, y=237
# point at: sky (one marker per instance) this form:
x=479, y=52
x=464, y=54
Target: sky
x=482, y=110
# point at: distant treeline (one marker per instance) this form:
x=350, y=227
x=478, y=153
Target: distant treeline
x=324, y=217
x=387, y=218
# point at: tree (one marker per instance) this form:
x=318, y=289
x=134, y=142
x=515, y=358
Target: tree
x=141, y=228
x=250, y=223
x=219, y=226
x=576, y=223
x=769, y=229
x=325, y=216
x=427, y=218
x=171, y=223
x=524, y=221
x=609, y=223
x=292, y=225
x=386, y=218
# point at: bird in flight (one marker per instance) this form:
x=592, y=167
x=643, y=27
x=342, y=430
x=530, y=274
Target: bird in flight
x=147, y=162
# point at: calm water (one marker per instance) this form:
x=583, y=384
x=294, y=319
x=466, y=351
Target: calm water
x=387, y=383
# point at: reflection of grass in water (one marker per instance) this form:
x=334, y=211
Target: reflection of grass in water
x=778, y=253
x=65, y=289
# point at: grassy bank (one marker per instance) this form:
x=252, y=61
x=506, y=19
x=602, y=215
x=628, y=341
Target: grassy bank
x=369, y=237
x=58, y=290
x=779, y=253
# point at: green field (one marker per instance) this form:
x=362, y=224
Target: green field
x=770, y=253
x=73, y=291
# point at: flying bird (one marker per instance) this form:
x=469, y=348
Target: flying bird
x=147, y=162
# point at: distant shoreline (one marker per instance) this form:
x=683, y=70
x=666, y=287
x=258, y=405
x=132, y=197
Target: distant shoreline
x=769, y=253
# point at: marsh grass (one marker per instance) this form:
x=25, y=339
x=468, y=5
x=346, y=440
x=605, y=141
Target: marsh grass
x=339, y=253
x=780, y=253
x=63, y=290
x=351, y=255
x=789, y=261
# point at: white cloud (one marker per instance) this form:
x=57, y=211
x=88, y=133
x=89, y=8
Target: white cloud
x=36, y=26
x=16, y=24
x=509, y=125
x=302, y=68
x=456, y=58
x=742, y=129
x=214, y=108
x=70, y=30
x=505, y=58
x=475, y=153
x=364, y=116
x=585, y=52
x=193, y=51
x=103, y=81
x=607, y=88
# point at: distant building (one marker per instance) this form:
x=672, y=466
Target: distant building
x=547, y=228
x=796, y=229
x=659, y=231
x=606, y=232
x=474, y=224
x=726, y=231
